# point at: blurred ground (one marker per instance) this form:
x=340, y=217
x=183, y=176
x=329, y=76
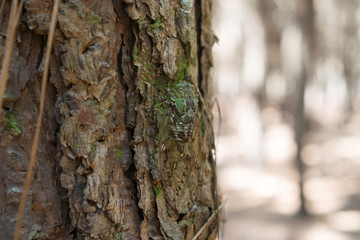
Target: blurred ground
x=262, y=189
x=263, y=56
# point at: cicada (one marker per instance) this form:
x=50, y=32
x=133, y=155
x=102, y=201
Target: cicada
x=182, y=109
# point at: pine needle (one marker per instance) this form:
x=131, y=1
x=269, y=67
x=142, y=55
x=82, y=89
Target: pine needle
x=30, y=170
x=2, y=7
x=209, y=220
x=10, y=35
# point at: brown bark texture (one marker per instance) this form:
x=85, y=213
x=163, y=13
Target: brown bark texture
x=107, y=166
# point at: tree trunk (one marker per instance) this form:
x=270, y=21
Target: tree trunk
x=126, y=147
x=306, y=20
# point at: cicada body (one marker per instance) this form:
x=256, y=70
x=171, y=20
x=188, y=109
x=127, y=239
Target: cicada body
x=183, y=106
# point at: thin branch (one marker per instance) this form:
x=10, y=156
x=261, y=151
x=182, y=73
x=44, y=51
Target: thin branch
x=39, y=120
x=18, y=14
x=10, y=34
x=209, y=220
x=2, y=7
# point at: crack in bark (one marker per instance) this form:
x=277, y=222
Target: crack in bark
x=198, y=17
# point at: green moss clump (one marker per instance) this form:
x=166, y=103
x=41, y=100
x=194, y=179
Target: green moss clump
x=183, y=65
x=188, y=221
x=157, y=24
x=13, y=124
x=118, y=152
x=35, y=230
x=135, y=54
x=117, y=236
x=158, y=191
x=93, y=18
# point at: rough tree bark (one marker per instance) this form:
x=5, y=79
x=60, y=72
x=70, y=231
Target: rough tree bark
x=107, y=166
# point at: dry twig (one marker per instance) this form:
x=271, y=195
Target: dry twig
x=39, y=120
x=10, y=35
x=2, y=7
x=209, y=220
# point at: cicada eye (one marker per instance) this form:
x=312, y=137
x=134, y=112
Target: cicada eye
x=189, y=103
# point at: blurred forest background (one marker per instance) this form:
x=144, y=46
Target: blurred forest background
x=287, y=79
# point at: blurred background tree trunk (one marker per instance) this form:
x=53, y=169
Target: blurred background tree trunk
x=107, y=167
x=296, y=76
x=288, y=74
x=306, y=22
